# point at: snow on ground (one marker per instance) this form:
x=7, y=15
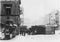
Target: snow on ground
x=35, y=38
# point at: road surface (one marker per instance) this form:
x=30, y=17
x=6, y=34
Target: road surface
x=35, y=38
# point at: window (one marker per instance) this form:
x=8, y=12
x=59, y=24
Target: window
x=8, y=11
x=7, y=8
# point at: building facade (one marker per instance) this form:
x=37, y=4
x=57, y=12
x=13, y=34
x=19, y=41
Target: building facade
x=10, y=11
x=10, y=17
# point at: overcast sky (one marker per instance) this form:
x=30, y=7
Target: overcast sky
x=35, y=10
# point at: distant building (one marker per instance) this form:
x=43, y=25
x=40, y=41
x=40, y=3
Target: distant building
x=52, y=19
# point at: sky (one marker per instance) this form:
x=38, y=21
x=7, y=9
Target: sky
x=36, y=10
